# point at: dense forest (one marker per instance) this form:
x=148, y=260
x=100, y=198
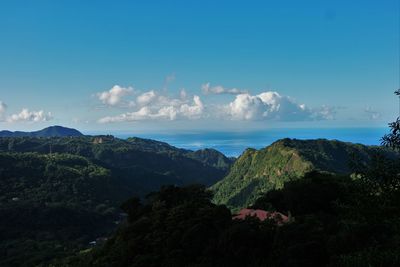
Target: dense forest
x=337, y=221
x=75, y=201
x=348, y=217
x=145, y=163
x=256, y=172
x=58, y=194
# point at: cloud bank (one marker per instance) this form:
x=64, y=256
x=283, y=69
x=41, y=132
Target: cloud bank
x=157, y=105
x=30, y=116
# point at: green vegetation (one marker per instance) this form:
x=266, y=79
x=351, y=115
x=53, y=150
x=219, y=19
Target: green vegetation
x=58, y=194
x=142, y=163
x=256, y=172
x=212, y=157
x=52, y=205
x=336, y=222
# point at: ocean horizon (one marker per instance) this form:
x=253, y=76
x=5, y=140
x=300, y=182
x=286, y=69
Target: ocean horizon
x=233, y=144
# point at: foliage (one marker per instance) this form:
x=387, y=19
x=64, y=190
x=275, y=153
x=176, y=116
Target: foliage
x=392, y=140
x=147, y=158
x=335, y=221
x=53, y=204
x=181, y=227
x=58, y=194
x=256, y=172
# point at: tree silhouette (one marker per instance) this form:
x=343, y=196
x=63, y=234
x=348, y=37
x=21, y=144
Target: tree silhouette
x=392, y=140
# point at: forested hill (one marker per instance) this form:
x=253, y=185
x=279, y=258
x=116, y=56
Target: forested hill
x=46, y=132
x=53, y=205
x=57, y=194
x=258, y=171
x=135, y=158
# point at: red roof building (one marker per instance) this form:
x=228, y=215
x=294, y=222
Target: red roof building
x=262, y=215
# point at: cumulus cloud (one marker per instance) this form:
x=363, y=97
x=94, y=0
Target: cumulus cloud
x=30, y=116
x=193, y=111
x=273, y=106
x=158, y=107
x=218, y=90
x=247, y=107
x=372, y=114
x=146, y=98
x=114, y=96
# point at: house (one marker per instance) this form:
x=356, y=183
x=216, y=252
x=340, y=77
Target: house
x=263, y=215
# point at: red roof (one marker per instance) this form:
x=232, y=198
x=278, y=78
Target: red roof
x=262, y=215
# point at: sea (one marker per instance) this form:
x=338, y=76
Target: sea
x=232, y=144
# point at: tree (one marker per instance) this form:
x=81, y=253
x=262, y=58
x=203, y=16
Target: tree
x=392, y=140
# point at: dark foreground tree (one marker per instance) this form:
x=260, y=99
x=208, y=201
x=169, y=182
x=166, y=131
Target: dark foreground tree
x=392, y=139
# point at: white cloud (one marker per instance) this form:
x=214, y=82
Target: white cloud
x=273, y=106
x=146, y=98
x=30, y=116
x=157, y=105
x=372, y=114
x=115, y=95
x=193, y=111
x=218, y=90
x=161, y=108
x=247, y=107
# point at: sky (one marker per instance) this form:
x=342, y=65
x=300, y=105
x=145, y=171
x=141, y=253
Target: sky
x=151, y=66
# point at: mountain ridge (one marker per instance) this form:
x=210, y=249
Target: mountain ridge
x=52, y=131
x=71, y=188
x=258, y=171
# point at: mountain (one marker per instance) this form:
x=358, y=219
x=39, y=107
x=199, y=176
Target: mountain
x=332, y=220
x=258, y=171
x=46, y=132
x=212, y=157
x=207, y=156
x=57, y=194
x=136, y=160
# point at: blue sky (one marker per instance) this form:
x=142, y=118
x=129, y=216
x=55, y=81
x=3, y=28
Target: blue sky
x=181, y=65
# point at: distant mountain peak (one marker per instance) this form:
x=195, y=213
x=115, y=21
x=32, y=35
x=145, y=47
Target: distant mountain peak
x=52, y=131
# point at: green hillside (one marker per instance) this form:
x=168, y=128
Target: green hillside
x=135, y=160
x=212, y=157
x=258, y=171
x=52, y=205
x=58, y=194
